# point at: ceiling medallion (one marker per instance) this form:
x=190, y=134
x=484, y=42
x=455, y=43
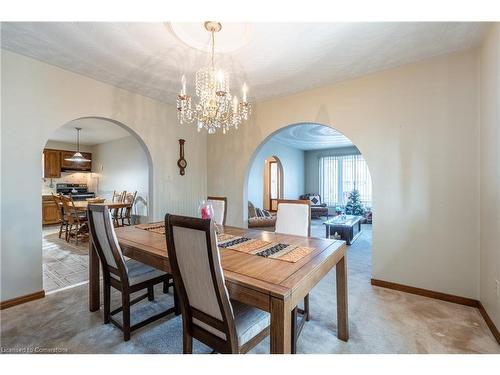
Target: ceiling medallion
x=216, y=108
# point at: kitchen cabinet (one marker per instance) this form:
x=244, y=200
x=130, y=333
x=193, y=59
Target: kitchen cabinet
x=51, y=163
x=67, y=165
x=50, y=210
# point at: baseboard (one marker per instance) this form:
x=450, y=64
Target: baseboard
x=489, y=322
x=427, y=293
x=22, y=299
x=443, y=297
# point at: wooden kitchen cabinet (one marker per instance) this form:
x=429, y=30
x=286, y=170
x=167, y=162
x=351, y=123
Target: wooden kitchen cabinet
x=51, y=163
x=75, y=166
x=50, y=210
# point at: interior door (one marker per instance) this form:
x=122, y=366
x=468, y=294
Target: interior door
x=274, y=185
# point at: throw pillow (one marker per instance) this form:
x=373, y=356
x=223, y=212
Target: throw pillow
x=315, y=200
x=259, y=212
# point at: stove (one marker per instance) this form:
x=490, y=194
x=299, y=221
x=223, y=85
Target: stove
x=79, y=192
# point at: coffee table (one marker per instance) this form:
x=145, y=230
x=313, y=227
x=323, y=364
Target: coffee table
x=348, y=229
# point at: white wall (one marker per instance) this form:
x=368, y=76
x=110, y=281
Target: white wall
x=122, y=165
x=38, y=98
x=311, y=162
x=412, y=125
x=292, y=160
x=490, y=174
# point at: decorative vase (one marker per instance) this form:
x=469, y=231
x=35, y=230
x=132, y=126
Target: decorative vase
x=206, y=210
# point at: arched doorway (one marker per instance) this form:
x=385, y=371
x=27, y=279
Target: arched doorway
x=119, y=161
x=330, y=170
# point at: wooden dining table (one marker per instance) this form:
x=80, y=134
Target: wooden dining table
x=273, y=285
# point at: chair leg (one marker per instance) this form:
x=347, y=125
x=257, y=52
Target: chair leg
x=306, y=308
x=76, y=233
x=107, y=302
x=60, y=229
x=66, y=232
x=187, y=343
x=68, y=236
x=166, y=286
x=151, y=293
x=177, y=306
x=293, y=333
x=126, y=315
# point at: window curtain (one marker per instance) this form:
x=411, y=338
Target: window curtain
x=339, y=175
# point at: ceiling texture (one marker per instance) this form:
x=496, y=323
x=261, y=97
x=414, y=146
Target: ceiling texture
x=94, y=131
x=311, y=137
x=274, y=59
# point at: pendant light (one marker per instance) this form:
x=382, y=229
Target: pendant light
x=77, y=157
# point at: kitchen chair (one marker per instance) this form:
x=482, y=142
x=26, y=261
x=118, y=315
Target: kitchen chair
x=125, y=276
x=117, y=197
x=75, y=219
x=126, y=213
x=219, y=204
x=208, y=314
x=294, y=217
x=60, y=211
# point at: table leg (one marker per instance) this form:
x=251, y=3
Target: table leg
x=342, y=312
x=280, y=326
x=94, y=294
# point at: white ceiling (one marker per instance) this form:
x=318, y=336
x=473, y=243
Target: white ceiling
x=311, y=137
x=94, y=131
x=275, y=59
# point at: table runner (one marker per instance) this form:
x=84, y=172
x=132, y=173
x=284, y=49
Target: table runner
x=267, y=249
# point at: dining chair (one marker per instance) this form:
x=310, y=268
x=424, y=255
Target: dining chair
x=126, y=212
x=74, y=218
x=294, y=218
x=208, y=314
x=219, y=204
x=117, y=197
x=60, y=211
x=126, y=276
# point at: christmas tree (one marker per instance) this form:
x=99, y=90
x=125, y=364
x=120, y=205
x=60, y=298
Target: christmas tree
x=354, y=205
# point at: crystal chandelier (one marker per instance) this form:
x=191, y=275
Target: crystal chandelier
x=216, y=107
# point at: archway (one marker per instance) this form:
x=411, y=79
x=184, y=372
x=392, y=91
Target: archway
x=120, y=161
x=335, y=177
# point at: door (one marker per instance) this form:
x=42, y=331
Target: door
x=274, y=185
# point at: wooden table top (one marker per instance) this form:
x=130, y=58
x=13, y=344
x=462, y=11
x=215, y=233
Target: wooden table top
x=83, y=204
x=271, y=276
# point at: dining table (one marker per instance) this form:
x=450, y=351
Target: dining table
x=273, y=285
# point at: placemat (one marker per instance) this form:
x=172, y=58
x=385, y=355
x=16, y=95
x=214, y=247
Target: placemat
x=266, y=249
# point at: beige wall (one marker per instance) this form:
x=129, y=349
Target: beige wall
x=417, y=127
x=490, y=174
x=38, y=98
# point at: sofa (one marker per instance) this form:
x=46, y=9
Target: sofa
x=260, y=219
x=318, y=208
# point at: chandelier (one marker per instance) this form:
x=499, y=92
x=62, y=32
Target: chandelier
x=216, y=107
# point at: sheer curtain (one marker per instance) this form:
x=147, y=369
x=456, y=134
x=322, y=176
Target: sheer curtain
x=339, y=175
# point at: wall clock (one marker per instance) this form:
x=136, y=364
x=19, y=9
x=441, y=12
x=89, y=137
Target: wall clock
x=181, y=163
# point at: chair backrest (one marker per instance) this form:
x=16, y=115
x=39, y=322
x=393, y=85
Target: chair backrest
x=105, y=241
x=219, y=204
x=129, y=198
x=59, y=203
x=199, y=281
x=294, y=217
x=118, y=196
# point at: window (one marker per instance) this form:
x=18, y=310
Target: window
x=339, y=175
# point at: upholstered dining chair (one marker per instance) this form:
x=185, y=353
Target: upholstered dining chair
x=208, y=314
x=62, y=219
x=126, y=276
x=219, y=204
x=294, y=217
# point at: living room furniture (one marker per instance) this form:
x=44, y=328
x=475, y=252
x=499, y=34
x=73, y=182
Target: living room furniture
x=348, y=227
x=294, y=217
x=260, y=219
x=208, y=314
x=318, y=208
x=272, y=285
x=126, y=276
